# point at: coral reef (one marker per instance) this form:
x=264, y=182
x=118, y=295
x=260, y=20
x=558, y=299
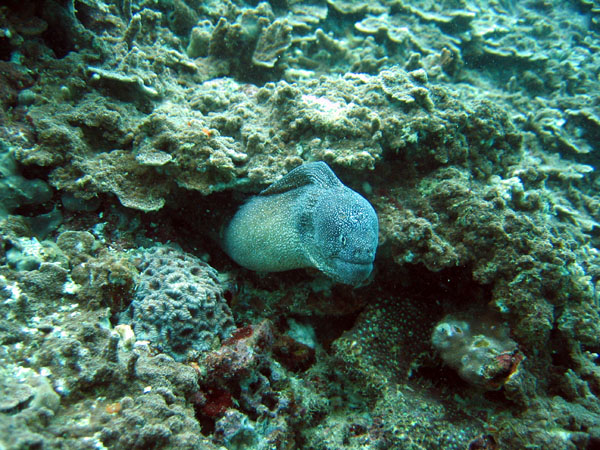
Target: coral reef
x=225, y=136
x=132, y=129
x=17, y=191
x=178, y=304
x=246, y=393
x=481, y=352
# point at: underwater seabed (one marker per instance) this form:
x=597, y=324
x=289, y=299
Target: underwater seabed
x=131, y=131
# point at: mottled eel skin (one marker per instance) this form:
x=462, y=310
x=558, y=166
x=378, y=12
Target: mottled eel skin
x=306, y=219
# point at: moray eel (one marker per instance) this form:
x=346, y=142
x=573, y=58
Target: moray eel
x=306, y=219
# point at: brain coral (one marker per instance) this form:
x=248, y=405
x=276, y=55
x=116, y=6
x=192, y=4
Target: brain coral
x=178, y=305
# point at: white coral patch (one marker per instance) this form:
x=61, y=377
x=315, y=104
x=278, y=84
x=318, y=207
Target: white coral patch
x=328, y=110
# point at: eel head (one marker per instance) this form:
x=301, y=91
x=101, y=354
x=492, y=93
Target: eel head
x=345, y=233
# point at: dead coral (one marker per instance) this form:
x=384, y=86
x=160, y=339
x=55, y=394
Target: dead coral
x=272, y=42
x=204, y=144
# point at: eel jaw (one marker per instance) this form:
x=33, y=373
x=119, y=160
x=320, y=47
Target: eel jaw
x=348, y=272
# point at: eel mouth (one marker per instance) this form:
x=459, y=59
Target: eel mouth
x=350, y=272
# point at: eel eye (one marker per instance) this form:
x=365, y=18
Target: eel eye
x=343, y=239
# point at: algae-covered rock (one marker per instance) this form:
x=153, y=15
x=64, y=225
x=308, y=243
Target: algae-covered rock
x=224, y=136
x=16, y=190
x=356, y=6
x=470, y=126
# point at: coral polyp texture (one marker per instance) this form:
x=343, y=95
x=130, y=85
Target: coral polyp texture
x=178, y=304
x=133, y=131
